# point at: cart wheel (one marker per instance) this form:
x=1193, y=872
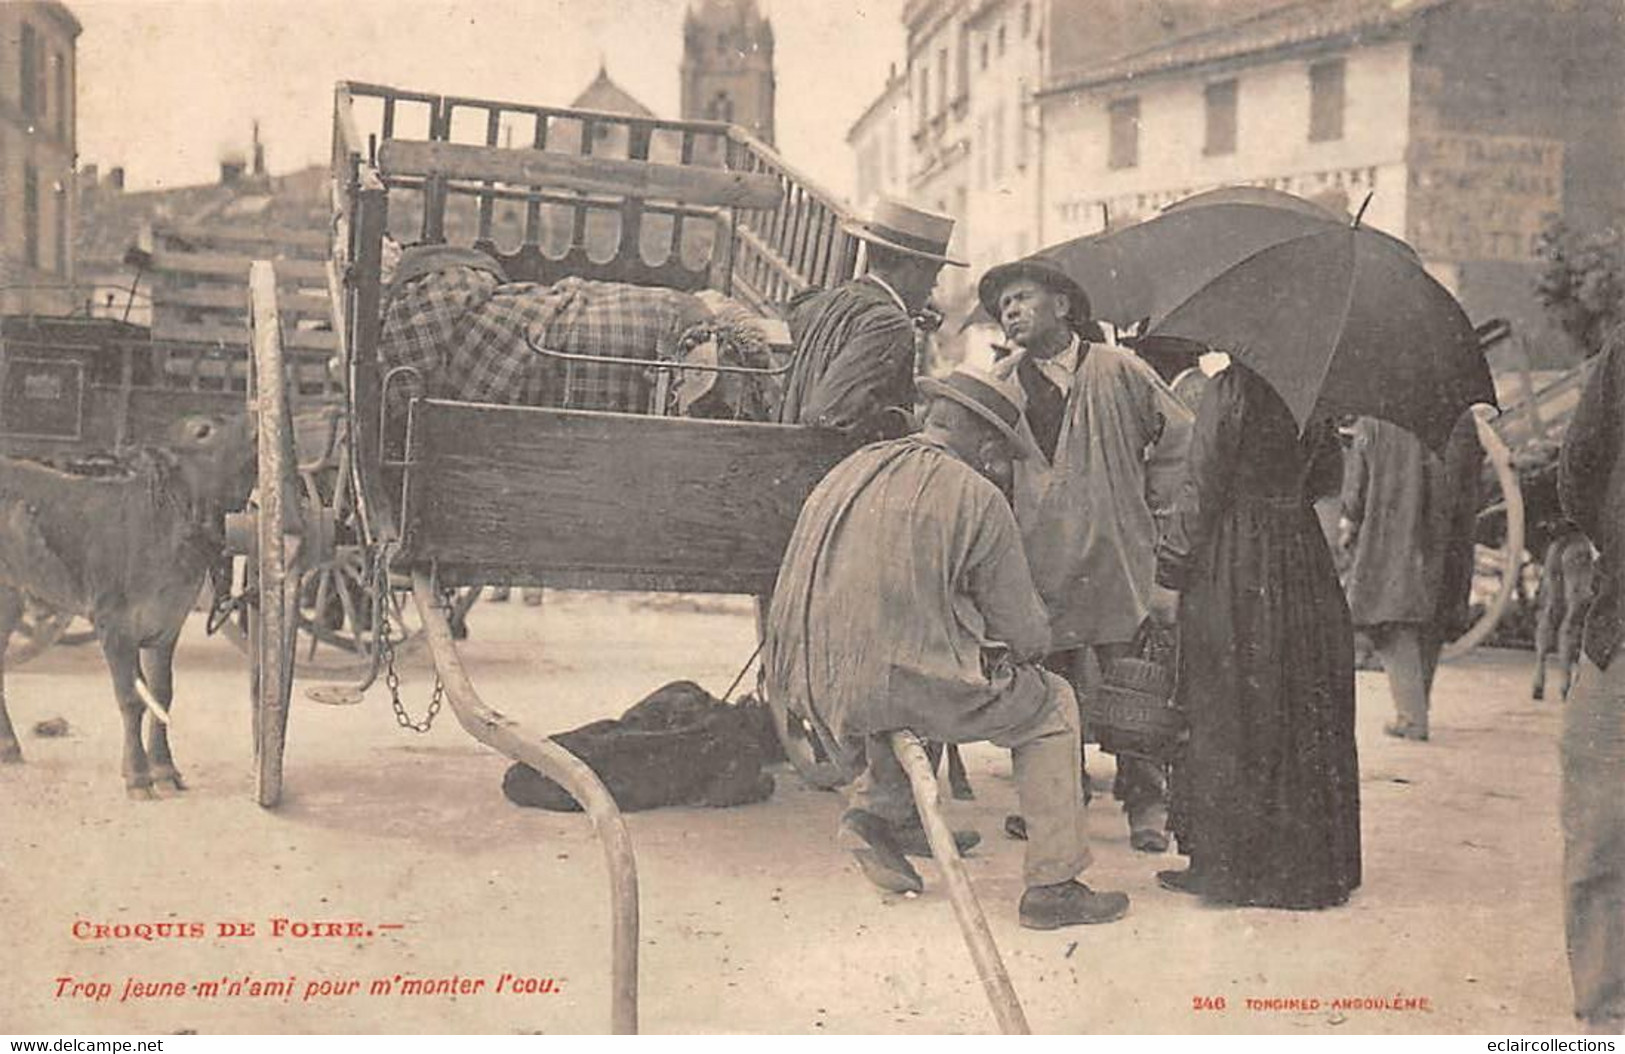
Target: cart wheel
x=270, y=573
x=333, y=619
x=41, y=626
x=1508, y=563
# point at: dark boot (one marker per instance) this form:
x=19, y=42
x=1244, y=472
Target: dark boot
x=881, y=859
x=1069, y=904
x=912, y=840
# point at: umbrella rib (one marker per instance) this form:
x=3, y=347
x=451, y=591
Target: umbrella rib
x=1342, y=323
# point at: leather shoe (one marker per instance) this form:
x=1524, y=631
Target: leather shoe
x=1148, y=840
x=1186, y=881
x=1069, y=904
x=881, y=859
x=912, y=840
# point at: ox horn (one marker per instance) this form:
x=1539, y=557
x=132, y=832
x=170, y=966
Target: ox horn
x=157, y=711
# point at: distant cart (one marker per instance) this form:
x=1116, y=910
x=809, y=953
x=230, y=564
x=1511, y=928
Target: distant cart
x=1522, y=444
x=74, y=391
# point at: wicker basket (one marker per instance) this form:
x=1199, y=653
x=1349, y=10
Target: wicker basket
x=1132, y=712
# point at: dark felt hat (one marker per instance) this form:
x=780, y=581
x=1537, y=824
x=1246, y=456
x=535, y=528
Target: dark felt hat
x=1040, y=271
x=998, y=402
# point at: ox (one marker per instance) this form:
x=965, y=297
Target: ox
x=1567, y=582
x=130, y=553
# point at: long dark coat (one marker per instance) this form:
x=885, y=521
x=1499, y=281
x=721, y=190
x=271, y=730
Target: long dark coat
x=1266, y=797
x=854, y=361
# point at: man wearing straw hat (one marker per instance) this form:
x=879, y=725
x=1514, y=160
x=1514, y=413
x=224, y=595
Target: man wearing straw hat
x=905, y=602
x=854, y=345
x=1112, y=439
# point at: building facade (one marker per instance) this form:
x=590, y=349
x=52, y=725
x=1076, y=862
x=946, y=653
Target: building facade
x=958, y=127
x=973, y=68
x=1421, y=113
x=727, y=69
x=37, y=157
x=1462, y=126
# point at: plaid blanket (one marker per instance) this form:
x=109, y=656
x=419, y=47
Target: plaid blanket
x=465, y=332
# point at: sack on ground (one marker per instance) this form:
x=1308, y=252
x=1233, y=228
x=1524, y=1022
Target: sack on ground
x=678, y=746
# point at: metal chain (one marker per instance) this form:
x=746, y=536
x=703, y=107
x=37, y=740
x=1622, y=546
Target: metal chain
x=392, y=679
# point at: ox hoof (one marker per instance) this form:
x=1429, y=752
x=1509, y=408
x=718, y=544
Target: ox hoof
x=11, y=753
x=962, y=791
x=169, y=776
x=140, y=792
x=1538, y=693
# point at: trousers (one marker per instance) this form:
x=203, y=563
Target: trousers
x=1593, y=817
x=1410, y=655
x=1049, y=787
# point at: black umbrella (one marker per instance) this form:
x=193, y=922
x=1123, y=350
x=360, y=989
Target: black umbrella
x=1337, y=317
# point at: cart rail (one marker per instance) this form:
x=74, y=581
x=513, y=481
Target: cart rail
x=552, y=192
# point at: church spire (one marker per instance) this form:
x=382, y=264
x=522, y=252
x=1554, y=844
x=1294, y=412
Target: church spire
x=727, y=70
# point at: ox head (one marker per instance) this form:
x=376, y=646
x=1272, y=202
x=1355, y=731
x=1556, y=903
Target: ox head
x=215, y=458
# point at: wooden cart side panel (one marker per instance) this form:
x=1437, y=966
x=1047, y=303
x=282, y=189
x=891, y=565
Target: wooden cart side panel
x=609, y=500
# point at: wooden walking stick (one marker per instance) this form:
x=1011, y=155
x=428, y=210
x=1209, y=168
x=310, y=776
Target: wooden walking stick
x=1001, y=994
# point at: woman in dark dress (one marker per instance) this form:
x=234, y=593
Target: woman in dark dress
x=1266, y=793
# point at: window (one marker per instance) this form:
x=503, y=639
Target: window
x=32, y=104
x=942, y=80
x=1326, y=100
x=720, y=108
x=1124, y=148
x=60, y=263
x=984, y=54
x=1001, y=39
x=922, y=103
x=59, y=67
x=962, y=66
x=1221, y=118
x=1027, y=18
x=998, y=142
x=31, y=217
x=1025, y=108
x=982, y=148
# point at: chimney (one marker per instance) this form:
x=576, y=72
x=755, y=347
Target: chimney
x=88, y=176
x=115, y=177
x=259, y=152
x=232, y=167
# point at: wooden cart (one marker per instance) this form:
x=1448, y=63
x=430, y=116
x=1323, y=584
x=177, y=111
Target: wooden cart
x=449, y=494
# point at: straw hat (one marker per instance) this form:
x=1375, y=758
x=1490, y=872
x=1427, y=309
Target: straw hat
x=907, y=229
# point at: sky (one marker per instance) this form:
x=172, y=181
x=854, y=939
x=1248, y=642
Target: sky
x=166, y=87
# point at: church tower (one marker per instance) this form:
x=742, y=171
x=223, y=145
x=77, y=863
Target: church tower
x=728, y=65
